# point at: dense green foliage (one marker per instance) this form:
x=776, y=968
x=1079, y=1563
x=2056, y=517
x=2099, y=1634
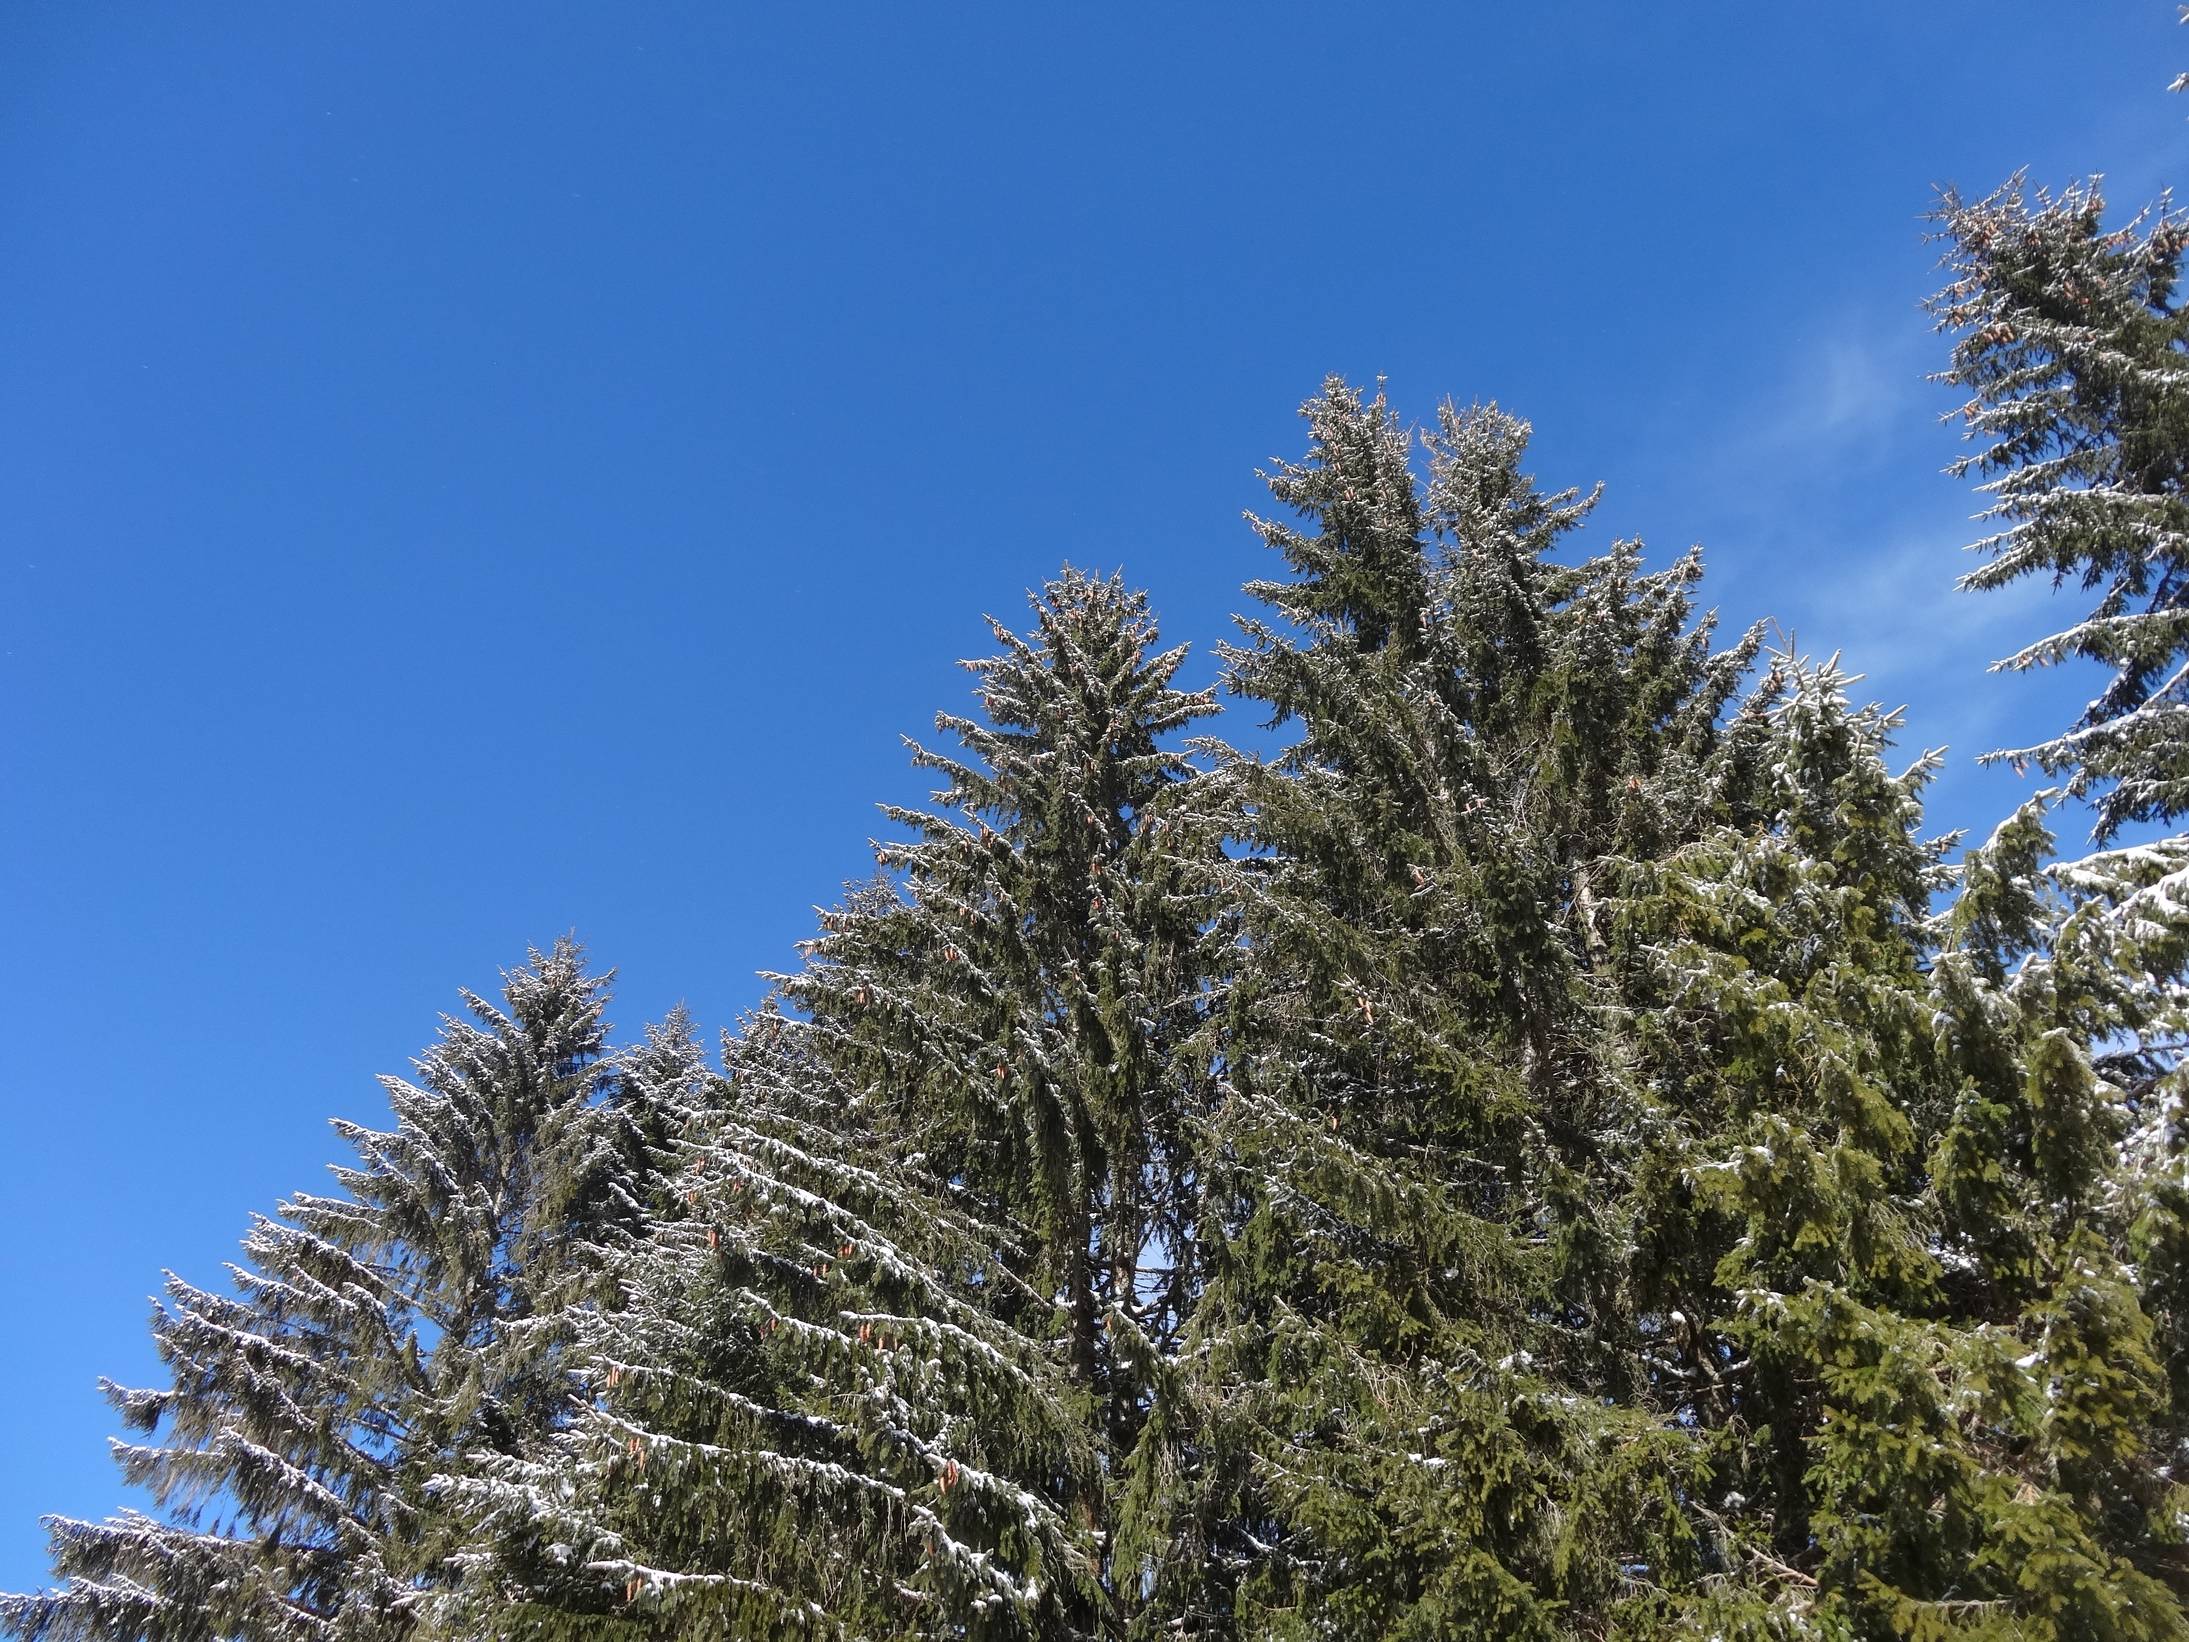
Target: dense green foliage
x=1552, y=1150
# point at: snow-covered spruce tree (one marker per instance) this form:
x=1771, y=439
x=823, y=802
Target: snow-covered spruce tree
x=2069, y=339
x=1879, y=1274
x=819, y=1402
x=2115, y=972
x=1021, y=996
x=1770, y=972
x=1395, y=1423
x=372, y=1340
x=2093, y=961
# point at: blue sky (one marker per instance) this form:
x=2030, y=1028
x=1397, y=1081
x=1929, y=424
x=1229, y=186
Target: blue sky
x=476, y=472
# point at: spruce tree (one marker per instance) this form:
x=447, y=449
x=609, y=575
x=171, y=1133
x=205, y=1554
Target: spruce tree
x=2069, y=341
x=1022, y=994
x=1881, y=1263
x=2115, y=971
x=1769, y=973
x=2098, y=999
x=1417, y=1273
x=816, y=1400
x=371, y=1340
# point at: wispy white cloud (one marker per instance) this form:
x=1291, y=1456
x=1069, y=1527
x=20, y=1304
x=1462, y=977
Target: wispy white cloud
x=1898, y=613
x=1849, y=386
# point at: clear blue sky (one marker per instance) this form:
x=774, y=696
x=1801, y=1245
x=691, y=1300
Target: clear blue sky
x=470, y=472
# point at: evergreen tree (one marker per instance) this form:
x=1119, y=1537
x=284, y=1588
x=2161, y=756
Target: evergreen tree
x=1022, y=992
x=1417, y=1284
x=817, y=1401
x=2101, y=1000
x=2069, y=341
x=371, y=1340
x=2116, y=974
x=1773, y=985
x=1881, y=1257
x=2058, y=1178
